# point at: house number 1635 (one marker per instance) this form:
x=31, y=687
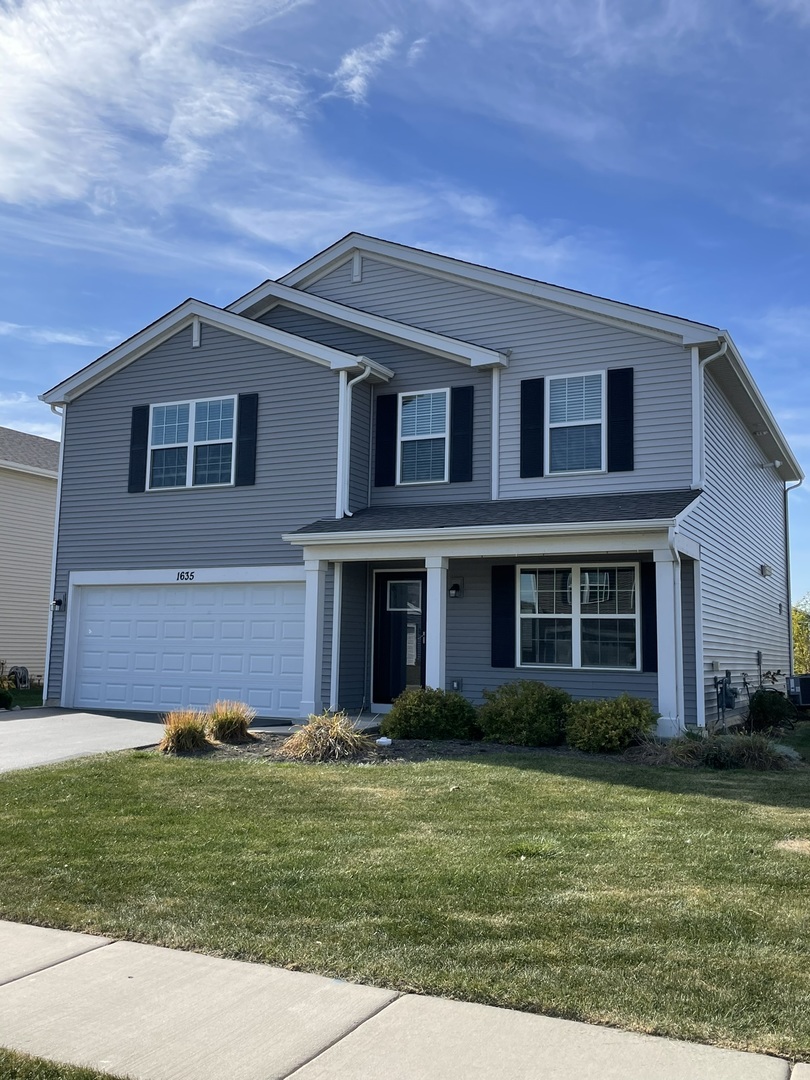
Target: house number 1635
x=185, y=575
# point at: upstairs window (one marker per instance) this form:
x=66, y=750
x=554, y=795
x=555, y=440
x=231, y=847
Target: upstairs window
x=191, y=443
x=423, y=442
x=576, y=423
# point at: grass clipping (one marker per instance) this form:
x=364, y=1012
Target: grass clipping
x=328, y=737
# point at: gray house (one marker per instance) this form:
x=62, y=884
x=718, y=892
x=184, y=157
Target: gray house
x=391, y=468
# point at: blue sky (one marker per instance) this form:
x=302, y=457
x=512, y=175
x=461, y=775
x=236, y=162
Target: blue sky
x=653, y=152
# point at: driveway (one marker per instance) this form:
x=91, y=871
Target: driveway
x=41, y=736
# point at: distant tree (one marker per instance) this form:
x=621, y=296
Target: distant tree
x=801, y=635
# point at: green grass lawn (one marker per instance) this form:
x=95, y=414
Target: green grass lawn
x=651, y=899
x=799, y=737
x=22, y=1067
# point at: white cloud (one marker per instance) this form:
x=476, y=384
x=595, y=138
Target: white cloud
x=359, y=66
x=799, y=8
x=23, y=412
x=43, y=335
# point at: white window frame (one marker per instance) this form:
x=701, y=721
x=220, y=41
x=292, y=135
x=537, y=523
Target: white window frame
x=576, y=617
x=190, y=444
x=547, y=425
x=421, y=438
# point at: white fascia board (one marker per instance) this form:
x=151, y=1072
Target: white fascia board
x=184, y=315
x=272, y=292
x=577, y=303
x=16, y=466
x=202, y=575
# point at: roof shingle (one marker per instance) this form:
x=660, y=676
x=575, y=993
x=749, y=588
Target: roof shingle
x=29, y=450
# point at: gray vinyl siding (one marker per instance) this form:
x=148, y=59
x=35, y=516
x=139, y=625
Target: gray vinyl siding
x=469, y=649
x=354, y=637
x=414, y=371
x=689, y=652
x=104, y=527
x=739, y=523
x=543, y=342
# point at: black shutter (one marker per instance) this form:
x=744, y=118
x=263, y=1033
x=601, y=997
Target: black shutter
x=385, y=436
x=532, y=426
x=246, y=428
x=461, y=434
x=649, y=620
x=504, y=628
x=138, y=448
x=620, y=420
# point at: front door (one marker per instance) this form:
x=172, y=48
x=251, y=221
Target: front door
x=399, y=634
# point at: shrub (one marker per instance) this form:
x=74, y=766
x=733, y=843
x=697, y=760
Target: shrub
x=6, y=700
x=328, y=737
x=525, y=713
x=183, y=730
x=429, y=713
x=228, y=722
x=742, y=751
x=769, y=709
x=604, y=726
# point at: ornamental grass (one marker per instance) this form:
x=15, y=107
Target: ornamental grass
x=332, y=736
x=183, y=730
x=228, y=722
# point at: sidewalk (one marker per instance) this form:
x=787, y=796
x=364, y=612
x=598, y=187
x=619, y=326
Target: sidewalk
x=160, y=1014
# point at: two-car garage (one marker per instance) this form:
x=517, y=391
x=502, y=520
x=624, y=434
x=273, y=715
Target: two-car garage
x=177, y=638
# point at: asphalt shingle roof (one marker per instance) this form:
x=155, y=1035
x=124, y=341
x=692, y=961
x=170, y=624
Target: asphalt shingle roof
x=31, y=450
x=576, y=509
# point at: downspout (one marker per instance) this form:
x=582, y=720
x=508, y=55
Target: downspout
x=789, y=487
x=676, y=585
x=346, y=444
x=702, y=365
x=61, y=414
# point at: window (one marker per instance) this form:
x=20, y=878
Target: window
x=576, y=426
x=191, y=443
x=578, y=616
x=423, y=443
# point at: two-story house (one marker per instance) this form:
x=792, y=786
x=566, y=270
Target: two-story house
x=391, y=468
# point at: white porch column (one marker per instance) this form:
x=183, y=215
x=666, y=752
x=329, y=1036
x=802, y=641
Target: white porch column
x=436, y=621
x=670, y=722
x=311, y=698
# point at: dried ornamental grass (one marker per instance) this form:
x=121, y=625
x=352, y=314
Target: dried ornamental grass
x=228, y=722
x=328, y=737
x=183, y=730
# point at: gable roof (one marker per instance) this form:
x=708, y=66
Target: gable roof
x=28, y=453
x=192, y=313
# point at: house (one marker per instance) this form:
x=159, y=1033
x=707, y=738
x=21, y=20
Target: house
x=29, y=466
x=392, y=468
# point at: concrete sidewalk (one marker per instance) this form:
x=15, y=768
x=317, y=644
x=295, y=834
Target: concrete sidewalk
x=160, y=1014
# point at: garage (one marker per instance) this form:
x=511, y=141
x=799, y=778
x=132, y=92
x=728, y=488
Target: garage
x=187, y=643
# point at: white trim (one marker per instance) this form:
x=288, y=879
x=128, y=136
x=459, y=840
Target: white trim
x=547, y=425
x=205, y=575
x=271, y=293
x=337, y=610
x=311, y=691
x=666, y=617
x=421, y=438
x=16, y=466
x=697, y=419
x=49, y=637
x=501, y=281
x=576, y=615
x=685, y=546
x=436, y=621
x=191, y=442
x=196, y=337
x=496, y=435
x=700, y=677
x=357, y=267
x=181, y=318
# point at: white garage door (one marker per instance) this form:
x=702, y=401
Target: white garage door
x=159, y=647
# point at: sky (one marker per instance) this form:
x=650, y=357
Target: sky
x=652, y=151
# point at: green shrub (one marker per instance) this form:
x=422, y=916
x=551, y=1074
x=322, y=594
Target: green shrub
x=525, y=713
x=428, y=713
x=742, y=751
x=328, y=737
x=183, y=730
x=769, y=709
x=603, y=726
x=6, y=700
x=228, y=722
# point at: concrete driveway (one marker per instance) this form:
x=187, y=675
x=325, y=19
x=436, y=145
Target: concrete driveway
x=41, y=736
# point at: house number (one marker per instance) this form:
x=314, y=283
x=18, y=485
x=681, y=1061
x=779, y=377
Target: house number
x=185, y=575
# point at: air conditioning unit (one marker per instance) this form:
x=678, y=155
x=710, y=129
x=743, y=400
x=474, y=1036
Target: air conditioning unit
x=798, y=689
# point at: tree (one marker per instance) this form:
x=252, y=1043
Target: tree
x=801, y=635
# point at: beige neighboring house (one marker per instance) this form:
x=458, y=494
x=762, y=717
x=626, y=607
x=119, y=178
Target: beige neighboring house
x=29, y=467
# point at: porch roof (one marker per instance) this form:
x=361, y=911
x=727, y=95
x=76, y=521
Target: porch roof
x=637, y=506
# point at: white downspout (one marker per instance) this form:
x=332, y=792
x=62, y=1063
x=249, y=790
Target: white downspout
x=340, y=487
x=702, y=364
x=789, y=487
x=46, y=675
x=345, y=446
x=496, y=434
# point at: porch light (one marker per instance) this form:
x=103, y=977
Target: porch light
x=456, y=590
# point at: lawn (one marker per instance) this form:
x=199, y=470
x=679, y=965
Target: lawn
x=651, y=899
x=799, y=737
x=22, y=1067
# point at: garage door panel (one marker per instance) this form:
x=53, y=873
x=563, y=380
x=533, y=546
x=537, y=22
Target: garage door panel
x=200, y=643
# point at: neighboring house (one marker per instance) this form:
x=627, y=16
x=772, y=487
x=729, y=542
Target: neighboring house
x=29, y=467
x=392, y=468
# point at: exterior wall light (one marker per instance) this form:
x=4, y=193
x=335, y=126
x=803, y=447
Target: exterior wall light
x=456, y=590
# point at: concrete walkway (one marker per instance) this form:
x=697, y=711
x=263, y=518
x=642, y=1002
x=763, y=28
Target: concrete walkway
x=34, y=737
x=159, y=1014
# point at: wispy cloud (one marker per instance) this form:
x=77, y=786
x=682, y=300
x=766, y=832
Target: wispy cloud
x=44, y=335
x=799, y=8
x=23, y=412
x=359, y=66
